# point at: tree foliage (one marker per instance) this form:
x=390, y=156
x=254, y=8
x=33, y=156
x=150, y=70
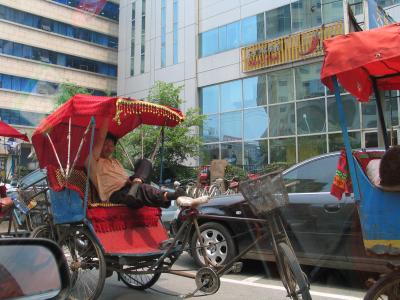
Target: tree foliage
x=67, y=90
x=181, y=142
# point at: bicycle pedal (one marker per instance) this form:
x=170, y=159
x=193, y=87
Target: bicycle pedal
x=237, y=267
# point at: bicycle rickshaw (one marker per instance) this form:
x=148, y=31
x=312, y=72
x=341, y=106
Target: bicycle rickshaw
x=100, y=238
x=365, y=63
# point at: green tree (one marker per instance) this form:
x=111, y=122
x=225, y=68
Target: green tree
x=181, y=142
x=67, y=90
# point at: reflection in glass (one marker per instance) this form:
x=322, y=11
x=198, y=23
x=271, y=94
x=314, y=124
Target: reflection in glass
x=233, y=35
x=222, y=46
x=232, y=152
x=391, y=109
x=253, y=29
x=282, y=119
x=208, y=153
x=371, y=139
x=280, y=86
x=209, y=97
x=231, y=126
x=331, y=11
x=305, y=14
x=308, y=83
x=278, y=22
x=255, y=123
x=369, y=117
x=351, y=109
x=311, y=116
x=255, y=155
x=283, y=150
x=209, y=42
x=231, y=95
x=309, y=146
x=209, y=131
x=254, y=91
x=28, y=270
x=336, y=141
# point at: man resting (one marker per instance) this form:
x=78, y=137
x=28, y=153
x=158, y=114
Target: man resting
x=385, y=172
x=113, y=183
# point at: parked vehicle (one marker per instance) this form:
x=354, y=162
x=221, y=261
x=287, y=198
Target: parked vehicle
x=324, y=232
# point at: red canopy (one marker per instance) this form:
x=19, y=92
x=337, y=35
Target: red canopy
x=8, y=131
x=124, y=115
x=356, y=57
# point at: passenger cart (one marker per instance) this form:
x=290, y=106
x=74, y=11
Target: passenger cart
x=365, y=63
x=99, y=238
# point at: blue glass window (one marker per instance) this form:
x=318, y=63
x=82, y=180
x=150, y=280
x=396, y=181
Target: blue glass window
x=109, y=10
x=43, y=23
x=209, y=98
x=253, y=29
x=209, y=42
x=18, y=117
x=210, y=129
x=254, y=91
x=255, y=123
x=231, y=95
x=231, y=126
x=233, y=35
x=28, y=85
x=306, y=14
x=278, y=22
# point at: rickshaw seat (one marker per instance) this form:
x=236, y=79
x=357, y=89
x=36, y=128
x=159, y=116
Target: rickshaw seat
x=115, y=213
x=363, y=157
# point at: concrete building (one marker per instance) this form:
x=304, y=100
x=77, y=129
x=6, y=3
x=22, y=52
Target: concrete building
x=44, y=43
x=251, y=66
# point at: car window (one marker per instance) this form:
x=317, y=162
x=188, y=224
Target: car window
x=315, y=176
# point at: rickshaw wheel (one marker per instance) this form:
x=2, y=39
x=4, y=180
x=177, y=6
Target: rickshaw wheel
x=139, y=281
x=43, y=231
x=386, y=288
x=86, y=264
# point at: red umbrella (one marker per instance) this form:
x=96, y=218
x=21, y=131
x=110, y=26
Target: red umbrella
x=124, y=115
x=359, y=57
x=8, y=131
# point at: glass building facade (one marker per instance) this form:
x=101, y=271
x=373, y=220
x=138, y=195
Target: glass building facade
x=108, y=10
x=22, y=118
x=282, y=116
x=34, y=86
x=56, y=58
x=291, y=18
x=31, y=20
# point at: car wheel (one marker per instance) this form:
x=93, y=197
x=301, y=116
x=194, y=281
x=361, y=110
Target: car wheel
x=219, y=244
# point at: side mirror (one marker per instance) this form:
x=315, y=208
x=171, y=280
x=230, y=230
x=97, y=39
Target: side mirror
x=32, y=269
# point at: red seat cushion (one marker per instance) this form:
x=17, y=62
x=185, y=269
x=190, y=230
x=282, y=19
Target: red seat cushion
x=107, y=219
x=138, y=240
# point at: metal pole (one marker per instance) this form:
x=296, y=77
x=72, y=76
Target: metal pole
x=161, y=155
x=382, y=123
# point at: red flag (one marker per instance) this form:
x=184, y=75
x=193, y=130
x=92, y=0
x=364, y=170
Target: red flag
x=92, y=6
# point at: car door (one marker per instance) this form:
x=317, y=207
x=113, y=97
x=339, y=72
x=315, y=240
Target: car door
x=317, y=221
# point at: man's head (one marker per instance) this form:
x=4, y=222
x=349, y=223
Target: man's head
x=389, y=169
x=109, y=145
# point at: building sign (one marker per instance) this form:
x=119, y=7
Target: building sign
x=289, y=48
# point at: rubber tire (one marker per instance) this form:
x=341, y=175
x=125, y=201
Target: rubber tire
x=382, y=284
x=42, y=231
x=72, y=234
x=288, y=261
x=139, y=285
x=231, y=249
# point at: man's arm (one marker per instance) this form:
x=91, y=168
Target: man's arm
x=99, y=141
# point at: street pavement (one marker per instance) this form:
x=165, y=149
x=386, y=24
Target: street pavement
x=252, y=283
